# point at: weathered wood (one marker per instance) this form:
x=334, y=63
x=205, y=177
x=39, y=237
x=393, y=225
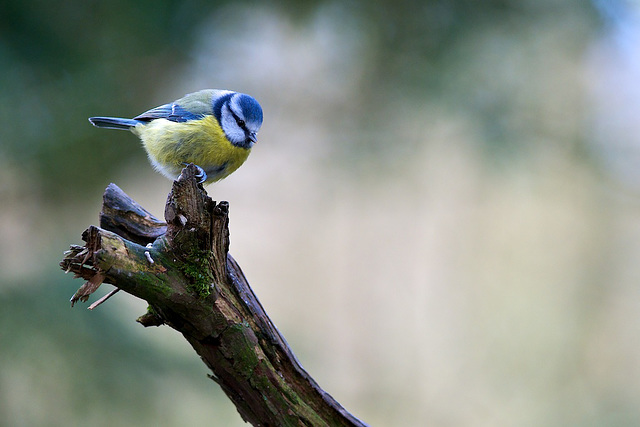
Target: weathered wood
x=193, y=285
x=122, y=215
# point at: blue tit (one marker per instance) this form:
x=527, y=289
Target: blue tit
x=213, y=129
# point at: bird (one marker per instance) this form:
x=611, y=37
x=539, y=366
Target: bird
x=213, y=129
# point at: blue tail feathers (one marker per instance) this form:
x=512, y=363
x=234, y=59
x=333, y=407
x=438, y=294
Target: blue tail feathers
x=113, y=122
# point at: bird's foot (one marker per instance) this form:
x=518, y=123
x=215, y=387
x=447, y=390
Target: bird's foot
x=201, y=175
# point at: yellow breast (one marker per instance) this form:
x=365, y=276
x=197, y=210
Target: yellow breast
x=171, y=145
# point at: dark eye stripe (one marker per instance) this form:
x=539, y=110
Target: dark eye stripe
x=218, y=103
x=239, y=121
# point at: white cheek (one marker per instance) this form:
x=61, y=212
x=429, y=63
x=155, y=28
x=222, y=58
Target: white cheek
x=230, y=127
x=234, y=133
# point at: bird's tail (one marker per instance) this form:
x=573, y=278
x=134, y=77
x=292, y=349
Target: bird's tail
x=113, y=122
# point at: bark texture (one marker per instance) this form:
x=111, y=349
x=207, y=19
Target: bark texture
x=182, y=268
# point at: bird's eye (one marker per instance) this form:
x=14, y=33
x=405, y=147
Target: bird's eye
x=240, y=123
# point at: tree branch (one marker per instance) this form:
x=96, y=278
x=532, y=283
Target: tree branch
x=183, y=270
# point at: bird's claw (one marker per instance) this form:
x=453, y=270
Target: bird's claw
x=201, y=175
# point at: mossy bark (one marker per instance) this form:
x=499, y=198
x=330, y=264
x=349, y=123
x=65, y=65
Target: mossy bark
x=192, y=284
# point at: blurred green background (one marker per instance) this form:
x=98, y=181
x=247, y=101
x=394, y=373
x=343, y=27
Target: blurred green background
x=442, y=214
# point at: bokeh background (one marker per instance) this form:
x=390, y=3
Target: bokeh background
x=442, y=214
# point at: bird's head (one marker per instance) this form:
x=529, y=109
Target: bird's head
x=240, y=117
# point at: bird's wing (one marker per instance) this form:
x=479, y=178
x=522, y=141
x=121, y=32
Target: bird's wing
x=193, y=106
x=173, y=112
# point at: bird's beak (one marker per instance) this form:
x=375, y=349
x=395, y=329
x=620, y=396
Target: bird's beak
x=252, y=137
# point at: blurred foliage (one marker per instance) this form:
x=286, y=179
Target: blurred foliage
x=66, y=367
x=62, y=63
x=496, y=263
